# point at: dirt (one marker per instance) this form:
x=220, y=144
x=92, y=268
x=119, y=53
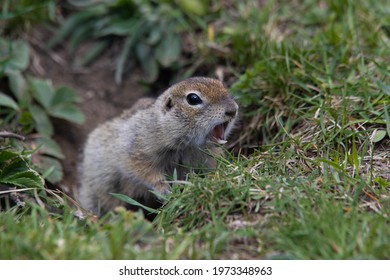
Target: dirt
x=101, y=97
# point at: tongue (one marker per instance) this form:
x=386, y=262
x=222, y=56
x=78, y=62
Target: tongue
x=219, y=134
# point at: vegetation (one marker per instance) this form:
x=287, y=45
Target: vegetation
x=32, y=103
x=20, y=15
x=150, y=31
x=308, y=176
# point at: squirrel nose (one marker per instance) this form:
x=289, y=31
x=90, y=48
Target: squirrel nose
x=231, y=107
x=231, y=112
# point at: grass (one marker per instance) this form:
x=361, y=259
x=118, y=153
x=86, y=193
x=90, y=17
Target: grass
x=313, y=81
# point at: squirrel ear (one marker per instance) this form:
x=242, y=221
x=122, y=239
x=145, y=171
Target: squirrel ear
x=168, y=104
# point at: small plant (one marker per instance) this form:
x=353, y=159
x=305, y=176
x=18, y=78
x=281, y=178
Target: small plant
x=32, y=102
x=151, y=33
x=16, y=170
x=19, y=15
x=18, y=176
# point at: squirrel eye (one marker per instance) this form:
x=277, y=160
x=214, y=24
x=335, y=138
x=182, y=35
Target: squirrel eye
x=194, y=99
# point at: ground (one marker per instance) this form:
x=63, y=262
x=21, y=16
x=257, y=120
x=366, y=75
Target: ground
x=101, y=98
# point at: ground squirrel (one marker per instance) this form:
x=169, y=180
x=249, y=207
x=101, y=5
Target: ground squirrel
x=181, y=130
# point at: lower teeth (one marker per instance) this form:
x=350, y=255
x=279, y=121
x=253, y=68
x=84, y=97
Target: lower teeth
x=220, y=141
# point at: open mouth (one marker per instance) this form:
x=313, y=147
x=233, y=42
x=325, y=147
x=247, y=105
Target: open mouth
x=218, y=133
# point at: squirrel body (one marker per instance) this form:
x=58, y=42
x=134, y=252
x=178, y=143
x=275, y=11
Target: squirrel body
x=132, y=154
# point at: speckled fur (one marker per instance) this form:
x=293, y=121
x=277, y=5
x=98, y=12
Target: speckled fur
x=133, y=153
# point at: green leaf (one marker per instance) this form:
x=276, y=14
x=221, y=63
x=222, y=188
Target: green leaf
x=17, y=84
x=81, y=34
x=120, y=28
x=331, y=163
x=20, y=55
x=7, y=101
x=42, y=91
x=15, y=55
x=155, y=35
x=64, y=95
x=93, y=52
x=169, y=49
x=120, y=64
x=71, y=24
x=385, y=88
x=148, y=62
x=131, y=201
x=49, y=147
x=383, y=183
x=41, y=119
x=14, y=164
x=51, y=168
x=6, y=155
x=27, y=121
x=82, y=3
x=28, y=178
x=68, y=112
x=355, y=156
x=18, y=173
x=193, y=7
x=378, y=135
x=387, y=120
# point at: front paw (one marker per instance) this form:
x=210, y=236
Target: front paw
x=163, y=189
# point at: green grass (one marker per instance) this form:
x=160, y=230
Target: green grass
x=39, y=235
x=313, y=83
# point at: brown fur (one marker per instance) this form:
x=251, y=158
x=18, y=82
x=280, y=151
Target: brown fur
x=133, y=154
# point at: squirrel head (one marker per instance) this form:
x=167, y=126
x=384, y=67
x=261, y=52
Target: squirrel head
x=197, y=111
